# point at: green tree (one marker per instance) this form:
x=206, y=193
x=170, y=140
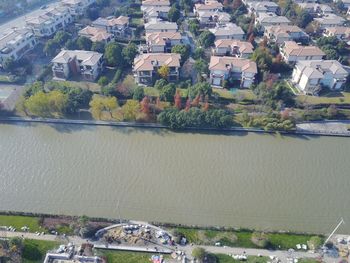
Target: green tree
x=98, y=47
x=167, y=92
x=61, y=37
x=84, y=43
x=130, y=52
x=314, y=243
x=103, y=81
x=131, y=109
x=206, y=39
x=263, y=59
x=199, y=53
x=200, y=88
x=51, y=47
x=113, y=55
x=174, y=14
x=71, y=45
x=163, y=71
x=9, y=64
x=194, y=27
x=139, y=94
x=100, y=104
x=183, y=50
x=199, y=253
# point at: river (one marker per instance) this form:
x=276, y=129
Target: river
x=261, y=181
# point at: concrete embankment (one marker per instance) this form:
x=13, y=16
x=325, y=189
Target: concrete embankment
x=322, y=128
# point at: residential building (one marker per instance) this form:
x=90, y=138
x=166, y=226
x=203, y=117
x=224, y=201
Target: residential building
x=146, y=67
x=305, y=1
x=208, y=6
x=227, y=31
x=49, y=22
x=316, y=10
x=68, y=63
x=160, y=26
x=154, y=3
x=96, y=34
x=330, y=20
x=341, y=32
x=77, y=7
x=239, y=70
x=255, y=7
x=155, y=12
x=309, y=76
x=280, y=34
x=118, y=26
x=270, y=19
x=14, y=43
x=211, y=18
x=230, y=47
x=345, y=2
x=161, y=42
x=292, y=52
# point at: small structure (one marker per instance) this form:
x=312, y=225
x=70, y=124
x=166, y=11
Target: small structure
x=118, y=26
x=160, y=26
x=292, y=52
x=280, y=34
x=96, y=34
x=87, y=64
x=229, y=68
x=146, y=66
x=309, y=76
x=228, y=31
x=231, y=47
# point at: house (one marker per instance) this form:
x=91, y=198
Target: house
x=87, y=64
x=309, y=76
x=255, y=7
x=50, y=21
x=211, y=5
x=77, y=7
x=230, y=47
x=345, y=2
x=305, y=1
x=239, y=70
x=96, y=34
x=341, y=32
x=146, y=67
x=292, y=52
x=154, y=3
x=270, y=19
x=227, y=31
x=211, y=18
x=162, y=42
x=14, y=43
x=280, y=34
x=160, y=26
x=316, y=10
x=155, y=12
x=117, y=26
x=330, y=20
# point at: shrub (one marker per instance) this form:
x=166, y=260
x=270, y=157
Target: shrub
x=260, y=239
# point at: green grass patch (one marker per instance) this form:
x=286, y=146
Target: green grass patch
x=287, y=241
x=6, y=79
x=136, y=21
x=308, y=260
x=329, y=98
x=222, y=258
x=35, y=250
x=21, y=221
x=64, y=229
x=224, y=93
x=125, y=257
x=150, y=91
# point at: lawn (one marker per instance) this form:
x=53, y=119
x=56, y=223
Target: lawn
x=136, y=21
x=35, y=250
x=330, y=98
x=222, y=258
x=20, y=221
x=286, y=241
x=125, y=257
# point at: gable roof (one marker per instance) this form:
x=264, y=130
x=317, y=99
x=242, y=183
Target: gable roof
x=147, y=62
x=95, y=34
x=291, y=48
x=209, y=5
x=317, y=68
x=244, y=47
x=156, y=3
x=88, y=58
x=226, y=63
x=111, y=21
x=159, y=38
x=227, y=30
x=160, y=25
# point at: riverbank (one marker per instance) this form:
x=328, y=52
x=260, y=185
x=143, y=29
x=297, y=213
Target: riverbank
x=325, y=128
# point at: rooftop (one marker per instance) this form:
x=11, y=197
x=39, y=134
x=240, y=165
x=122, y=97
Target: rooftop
x=12, y=36
x=95, y=34
x=147, y=62
x=112, y=21
x=317, y=68
x=88, y=58
x=227, y=29
x=330, y=19
x=160, y=38
x=245, y=47
x=160, y=25
x=225, y=63
x=156, y=3
x=209, y=5
x=291, y=48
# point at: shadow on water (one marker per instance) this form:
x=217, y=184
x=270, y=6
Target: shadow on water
x=131, y=130
x=70, y=128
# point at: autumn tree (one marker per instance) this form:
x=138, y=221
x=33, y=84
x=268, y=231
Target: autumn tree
x=177, y=100
x=188, y=104
x=100, y=104
x=145, y=105
x=163, y=71
x=251, y=38
x=131, y=109
x=196, y=100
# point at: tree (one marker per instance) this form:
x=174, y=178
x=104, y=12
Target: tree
x=206, y=39
x=84, y=43
x=200, y=88
x=177, y=100
x=174, y=14
x=332, y=111
x=100, y=104
x=163, y=71
x=113, y=55
x=61, y=37
x=98, y=47
x=129, y=53
x=71, y=45
x=198, y=53
x=263, y=59
x=314, y=243
x=9, y=64
x=103, y=81
x=160, y=83
x=131, y=109
x=145, y=105
x=167, y=92
x=260, y=239
x=199, y=253
x=139, y=93
x=183, y=50
x=201, y=66
x=303, y=19
x=193, y=26
x=51, y=47
x=103, y=3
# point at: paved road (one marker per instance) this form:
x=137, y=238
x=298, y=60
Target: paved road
x=20, y=21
